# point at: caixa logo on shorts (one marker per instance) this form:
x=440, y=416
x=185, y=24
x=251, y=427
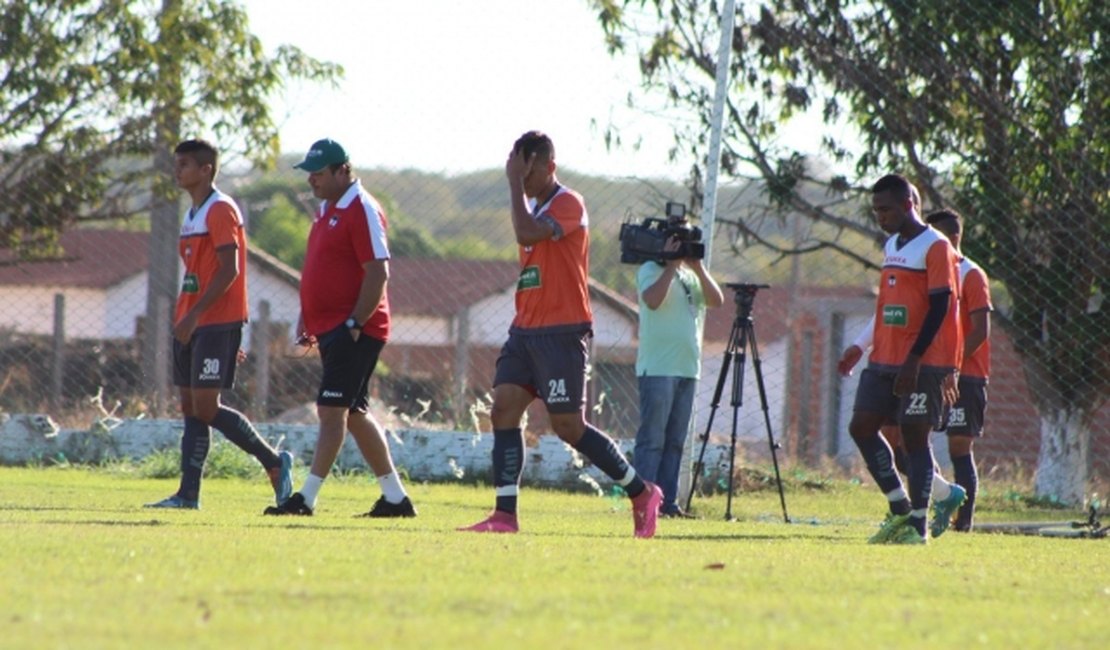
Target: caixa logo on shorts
x=332, y=394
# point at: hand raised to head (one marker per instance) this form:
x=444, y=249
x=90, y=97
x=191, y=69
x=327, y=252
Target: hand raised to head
x=517, y=167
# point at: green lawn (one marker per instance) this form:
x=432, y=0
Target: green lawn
x=84, y=566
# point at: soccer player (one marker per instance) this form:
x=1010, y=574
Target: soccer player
x=965, y=418
x=547, y=350
x=917, y=347
x=966, y=414
x=946, y=497
x=345, y=312
x=208, y=327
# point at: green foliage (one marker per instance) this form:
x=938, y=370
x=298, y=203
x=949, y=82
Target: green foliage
x=225, y=460
x=282, y=230
x=475, y=247
x=998, y=110
x=413, y=241
x=93, y=89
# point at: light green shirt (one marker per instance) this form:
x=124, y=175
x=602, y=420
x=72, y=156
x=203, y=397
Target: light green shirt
x=670, y=335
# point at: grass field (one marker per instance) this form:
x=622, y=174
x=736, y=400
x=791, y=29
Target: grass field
x=84, y=566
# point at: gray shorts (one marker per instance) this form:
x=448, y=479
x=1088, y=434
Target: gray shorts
x=551, y=366
x=965, y=418
x=925, y=404
x=208, y=360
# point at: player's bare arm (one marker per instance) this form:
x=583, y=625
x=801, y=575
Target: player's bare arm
x=527, y=229
x=228, y=260
x=714, y=297
x=376, y=275
x=657, y=292
x=980, y=332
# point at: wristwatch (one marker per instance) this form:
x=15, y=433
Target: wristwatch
x=352, y=324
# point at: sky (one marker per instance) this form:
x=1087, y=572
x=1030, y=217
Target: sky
x=447, y=86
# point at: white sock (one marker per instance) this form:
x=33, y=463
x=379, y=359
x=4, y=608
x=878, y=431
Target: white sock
x=310, y=489
x=942, y=489
x=898, y=494
x=391, y=486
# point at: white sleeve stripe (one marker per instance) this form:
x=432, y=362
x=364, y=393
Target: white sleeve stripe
x=378, y=242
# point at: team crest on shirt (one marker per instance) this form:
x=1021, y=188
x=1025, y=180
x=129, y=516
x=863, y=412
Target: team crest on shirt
x=896, y=315
x=890, y=281
x=190, y=283
x=529, y=278
x=334, y=221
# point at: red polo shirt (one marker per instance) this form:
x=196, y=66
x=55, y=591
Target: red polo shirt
x=345, y=235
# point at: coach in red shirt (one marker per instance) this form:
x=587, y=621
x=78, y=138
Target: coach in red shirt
x=345, y=311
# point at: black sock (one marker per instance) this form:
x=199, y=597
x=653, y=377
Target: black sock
x=604, y=454
x=901, y=460
x=880, y=463
x=508, y=463
x=921, y=485
x=194, y=451
x=238, y=429
x=968, y=478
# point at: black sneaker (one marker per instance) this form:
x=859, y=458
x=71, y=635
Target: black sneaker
x=677, y=513
x=294, y=505
x=383, y=508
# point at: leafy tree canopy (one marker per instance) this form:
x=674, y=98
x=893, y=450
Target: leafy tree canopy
x=82, y=86
x=999, y=110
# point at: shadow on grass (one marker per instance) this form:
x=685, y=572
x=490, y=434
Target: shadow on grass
x=106, y=522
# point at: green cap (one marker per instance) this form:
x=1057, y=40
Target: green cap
x=323, y=153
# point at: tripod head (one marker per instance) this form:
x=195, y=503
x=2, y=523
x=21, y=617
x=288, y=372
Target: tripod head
x=743, y=295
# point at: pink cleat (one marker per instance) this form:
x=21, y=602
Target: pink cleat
x=497, y=522
x=645, y=510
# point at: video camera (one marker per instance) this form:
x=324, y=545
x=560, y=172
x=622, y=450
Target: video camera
x=645, y=241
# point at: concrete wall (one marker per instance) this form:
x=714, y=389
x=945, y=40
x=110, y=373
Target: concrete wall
x=424, y=455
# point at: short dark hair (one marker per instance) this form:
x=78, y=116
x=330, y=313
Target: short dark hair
x=535, y=142
x=896, y=183
x=202, y=151
x=947, y=217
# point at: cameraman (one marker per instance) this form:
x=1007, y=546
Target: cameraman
x=673, y=297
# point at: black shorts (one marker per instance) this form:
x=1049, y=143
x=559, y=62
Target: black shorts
x=348, y=365
x=925, y=404
x=208, y=360
x=965, y=418
x=551, y=366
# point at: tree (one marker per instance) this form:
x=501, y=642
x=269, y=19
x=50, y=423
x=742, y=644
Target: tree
x=88, y=88
x=97, y=93
x=282, y=230
x=999, y=110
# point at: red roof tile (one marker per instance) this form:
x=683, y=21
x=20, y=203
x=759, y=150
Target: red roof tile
x=433, y=287
x=91, y=258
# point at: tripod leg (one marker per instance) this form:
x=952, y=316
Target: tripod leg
x=726, y=362
x=699, y=466
x=736, y=401
x=758, y=366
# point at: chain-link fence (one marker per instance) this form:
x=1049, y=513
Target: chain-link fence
x=78, y=331
x=73, y=324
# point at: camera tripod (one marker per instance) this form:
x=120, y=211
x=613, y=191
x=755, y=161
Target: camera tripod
x=739, y=340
